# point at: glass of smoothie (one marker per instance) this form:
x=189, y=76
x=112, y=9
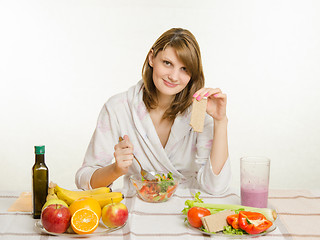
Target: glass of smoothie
x=254, y=178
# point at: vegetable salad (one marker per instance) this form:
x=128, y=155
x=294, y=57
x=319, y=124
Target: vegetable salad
x=158, y=190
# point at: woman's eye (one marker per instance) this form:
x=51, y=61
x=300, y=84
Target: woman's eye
x=166, y=62
x=184, y=69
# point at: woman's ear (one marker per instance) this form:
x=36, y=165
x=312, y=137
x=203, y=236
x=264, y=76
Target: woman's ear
x=150, y=58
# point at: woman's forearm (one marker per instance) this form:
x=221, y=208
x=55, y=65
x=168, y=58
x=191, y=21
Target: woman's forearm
x=219, y=151
x=104, y=176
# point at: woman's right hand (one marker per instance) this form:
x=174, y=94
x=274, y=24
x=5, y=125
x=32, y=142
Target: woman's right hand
x=123, y=155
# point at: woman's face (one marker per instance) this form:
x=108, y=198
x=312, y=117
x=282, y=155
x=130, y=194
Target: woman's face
x=170, y=75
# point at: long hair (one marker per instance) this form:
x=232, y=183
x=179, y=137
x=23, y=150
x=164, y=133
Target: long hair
x=188, y=51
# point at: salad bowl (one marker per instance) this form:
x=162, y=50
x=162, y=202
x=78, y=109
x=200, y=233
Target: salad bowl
x=159, y=190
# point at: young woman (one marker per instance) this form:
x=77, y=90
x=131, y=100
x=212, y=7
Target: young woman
x=153, y=118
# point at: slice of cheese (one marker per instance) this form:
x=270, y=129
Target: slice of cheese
x=198, y=114
x=217, y=221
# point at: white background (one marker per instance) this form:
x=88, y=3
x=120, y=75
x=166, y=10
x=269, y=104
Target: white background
x=61, y=60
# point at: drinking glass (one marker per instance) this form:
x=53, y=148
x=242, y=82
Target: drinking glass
x=254, y=178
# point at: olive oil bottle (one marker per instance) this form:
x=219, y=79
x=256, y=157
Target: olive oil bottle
x=40, y=181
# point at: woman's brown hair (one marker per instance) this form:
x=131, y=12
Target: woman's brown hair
x=188, y=51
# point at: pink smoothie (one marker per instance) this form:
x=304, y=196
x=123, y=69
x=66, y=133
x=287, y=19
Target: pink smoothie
x=254, y=197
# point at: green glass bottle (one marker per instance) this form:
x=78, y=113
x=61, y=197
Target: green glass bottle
x=40, y=181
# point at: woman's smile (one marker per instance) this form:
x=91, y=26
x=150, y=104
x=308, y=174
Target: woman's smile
x=169, y=84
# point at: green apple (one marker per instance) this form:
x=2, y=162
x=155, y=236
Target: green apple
x=54, y=201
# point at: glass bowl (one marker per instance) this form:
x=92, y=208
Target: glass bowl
x=156, y=191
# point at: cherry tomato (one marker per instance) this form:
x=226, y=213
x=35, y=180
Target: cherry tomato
x=195, y=214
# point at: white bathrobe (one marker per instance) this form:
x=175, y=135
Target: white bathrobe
x=186, y=154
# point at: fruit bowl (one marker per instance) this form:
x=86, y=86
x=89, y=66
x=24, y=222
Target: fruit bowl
x=155, y=191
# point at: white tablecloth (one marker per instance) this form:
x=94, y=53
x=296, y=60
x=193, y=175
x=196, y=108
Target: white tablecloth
x=164, y=220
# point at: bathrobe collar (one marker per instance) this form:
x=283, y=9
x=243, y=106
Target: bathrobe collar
x=147, y=131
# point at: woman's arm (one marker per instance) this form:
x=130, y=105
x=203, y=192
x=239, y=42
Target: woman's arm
x=219, y=151
x=104, y=176
x=123, y=159
x=104, y=157
x=216, y=108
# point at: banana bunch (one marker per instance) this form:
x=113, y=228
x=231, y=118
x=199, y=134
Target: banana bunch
x=103, y=195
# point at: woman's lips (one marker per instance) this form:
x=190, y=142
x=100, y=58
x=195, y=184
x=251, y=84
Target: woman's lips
x=168, y=84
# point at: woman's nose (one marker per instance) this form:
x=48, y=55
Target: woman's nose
x=174, y=75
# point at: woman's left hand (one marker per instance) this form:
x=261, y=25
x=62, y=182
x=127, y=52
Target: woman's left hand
x=217, y=102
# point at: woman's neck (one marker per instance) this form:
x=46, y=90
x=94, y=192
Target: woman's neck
x=164, y=102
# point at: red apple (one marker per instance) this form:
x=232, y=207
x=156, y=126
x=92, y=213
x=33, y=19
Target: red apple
x=56, y=218
x=114, y=215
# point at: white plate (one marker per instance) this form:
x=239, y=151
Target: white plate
x=221, y=234
x=101, y=230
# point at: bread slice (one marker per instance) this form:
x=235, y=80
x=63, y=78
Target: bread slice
x=217, y=221
x=198, y=114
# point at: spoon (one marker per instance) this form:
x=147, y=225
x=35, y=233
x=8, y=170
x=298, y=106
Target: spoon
x=145, y=174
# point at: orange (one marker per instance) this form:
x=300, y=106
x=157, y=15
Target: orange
x=84, y=221
x=86, y=202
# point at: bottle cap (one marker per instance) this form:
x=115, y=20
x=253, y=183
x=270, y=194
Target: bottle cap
x=39, y=149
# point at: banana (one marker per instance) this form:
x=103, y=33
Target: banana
x=83, y=193
x=107, y=198
x=69, y=196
